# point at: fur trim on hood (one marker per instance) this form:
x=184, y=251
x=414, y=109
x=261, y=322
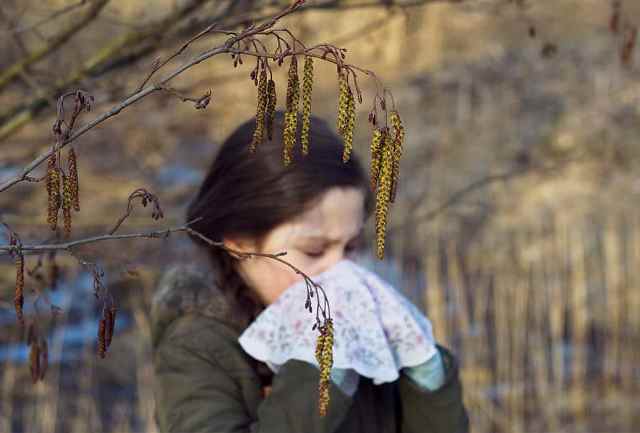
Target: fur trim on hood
x=186, y=288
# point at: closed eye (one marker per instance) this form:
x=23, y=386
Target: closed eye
x=349, y=249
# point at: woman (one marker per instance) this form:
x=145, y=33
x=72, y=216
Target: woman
x=314, y=209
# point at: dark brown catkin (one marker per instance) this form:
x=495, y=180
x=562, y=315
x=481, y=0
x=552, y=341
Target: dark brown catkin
x=34, y=361
x=44, y=355
x=72, y=166
x=102, y=344
x=271, y=107
x=19, y=293
x=107, y=328
x=376, y=156
x=291, y=114
x=110, y=324
x=67, y=202
x=31, y=333
x=398, y=142
x=54, y=273
x=347, y=132
x=53, y=192
x=307, y=88
x=383, y=194
x=258, y=133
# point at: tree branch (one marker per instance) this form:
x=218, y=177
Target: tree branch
x=225, y=48
x=14, y=71
x=22, y=249
x=16, y=117
x=53, y=16
x=132, y=47
x=418, y=219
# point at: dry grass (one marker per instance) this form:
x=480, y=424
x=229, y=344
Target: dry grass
x=543, y=320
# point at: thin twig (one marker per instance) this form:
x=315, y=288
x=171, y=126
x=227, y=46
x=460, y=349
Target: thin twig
x=159, y=65
x=32, y=249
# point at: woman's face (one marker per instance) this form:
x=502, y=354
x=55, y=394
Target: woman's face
x=314, y=242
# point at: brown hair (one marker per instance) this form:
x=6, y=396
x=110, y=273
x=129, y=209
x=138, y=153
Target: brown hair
x=247, y=195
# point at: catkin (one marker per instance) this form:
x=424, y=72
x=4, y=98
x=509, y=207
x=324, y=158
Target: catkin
x=343, y=102
x=110, y=324
x=34, y=361
x=398, y=142
x=44, y=359
x=54, y=273
x=376, y=156
x=67, y=203
x=319, y=346
x=326, y=362
x=291, y=114
x=383, y=194
x=350, y=122
x=19, y=294
x=258, y=133
x=53, y=192
x=271, y=107
x=72, y=165
x=102, y=344
x=307, y=88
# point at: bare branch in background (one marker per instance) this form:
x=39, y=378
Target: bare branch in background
x=418, y=219
x=53, y=16
x=55, y=42
x=142, y=42
x=228, y=47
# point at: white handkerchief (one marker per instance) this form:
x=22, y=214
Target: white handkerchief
x=377, y=330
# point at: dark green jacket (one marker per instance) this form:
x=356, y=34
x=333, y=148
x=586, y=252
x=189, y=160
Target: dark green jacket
x=205, y=382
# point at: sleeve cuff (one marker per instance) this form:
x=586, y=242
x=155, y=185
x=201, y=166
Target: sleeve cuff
x=429, y=375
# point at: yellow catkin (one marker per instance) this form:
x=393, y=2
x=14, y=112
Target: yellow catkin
x=343, y=96
x=376, y=150
x=72, y=165
x=19, y=293
x=258, y=133
x=319, y=346
x=271, y=108
x=383, y=194
x=53, y=192
x=291, y=114
x=350, y=123
x=398, y=141
x=307, y=87
x=326, y=362
x=67, y=202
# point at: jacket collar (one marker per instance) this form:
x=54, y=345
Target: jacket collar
x=187, y=288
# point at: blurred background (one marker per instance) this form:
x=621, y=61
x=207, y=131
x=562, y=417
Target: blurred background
x=516, y=227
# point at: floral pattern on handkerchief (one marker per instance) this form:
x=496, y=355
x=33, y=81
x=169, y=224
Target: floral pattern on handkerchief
x=377, y=331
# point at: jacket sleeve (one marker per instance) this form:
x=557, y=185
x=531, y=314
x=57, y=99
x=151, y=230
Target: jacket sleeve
x=438, y=411
x=292, y=405
x=195, y=392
